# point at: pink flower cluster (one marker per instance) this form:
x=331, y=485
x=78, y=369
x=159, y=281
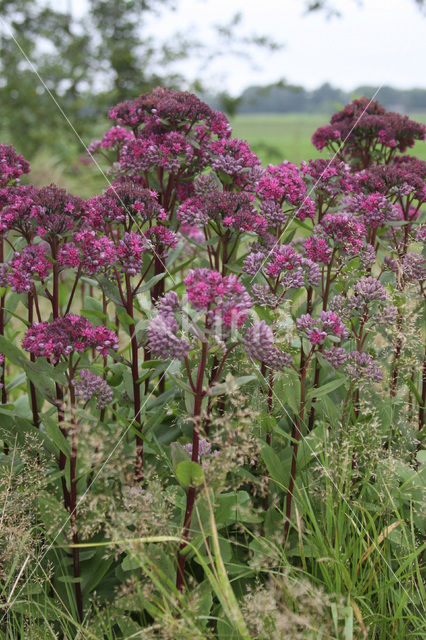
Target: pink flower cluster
x=231, y=210
x=284, y=183
x=167, y=107
x=12, y=165
x=88, y=251
x=234, y=157
x=67, y=335
x=89, y=385
x=373, y=209
x=317, y=329
x=367, y=130
x=317, y=249
x=345, y=230
x=170, y=151
x=124, y=202
x=27, y=264
x=57, y=213
x=224, y=297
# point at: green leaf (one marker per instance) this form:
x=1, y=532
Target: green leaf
x=178, y=454
x=189, y=474
x=277, y=469
x=325, y=389
x=151, y=282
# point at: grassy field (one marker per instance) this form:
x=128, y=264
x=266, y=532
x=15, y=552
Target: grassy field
x=278, y=137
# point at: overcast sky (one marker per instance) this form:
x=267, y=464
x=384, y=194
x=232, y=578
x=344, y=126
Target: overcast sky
x=374, y=42
x=381, y=42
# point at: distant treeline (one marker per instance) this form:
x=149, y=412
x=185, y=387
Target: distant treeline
x=280, y=98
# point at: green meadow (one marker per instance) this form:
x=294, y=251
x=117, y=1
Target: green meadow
x=278, y=137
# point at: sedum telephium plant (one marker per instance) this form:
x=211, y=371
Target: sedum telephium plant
x=202, y=264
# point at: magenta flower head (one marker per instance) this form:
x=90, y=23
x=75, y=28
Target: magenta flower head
x=88, y=386
x=373, y=209
x=26, y=265
x=116, y=137
x=12, y=166
x=57, y=213
x=223, y=297
x=67, y=335
x=88, y=251
x=259, y=345
x=125, y=202
x=328, y=178
x=284, y=184
x=226, y=210
x=367, y=133
x=234, y=158
x=168, y=108
x=317, y=330
x=17, y=209
x=345, y=230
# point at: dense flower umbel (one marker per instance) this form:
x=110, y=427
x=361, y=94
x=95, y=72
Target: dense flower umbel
x=284, y=184
x=57, y=213
x=169, y=108
x=411, y=268
x=125, y=202
x=67, y=335
x=317, y=329
x=170, y=151
x=88, y=251
x=360, y=366
x=89, y=385
x=344, y=230
x=373, y=209
x=26, y=265
x=368, y=133
x=403, y=180
x=327, y=178
x=224, y=297
x=259, y=344
x=234, y=158
x=17, y=210
x=284, y=265
x=12, y=165
x=228, y=209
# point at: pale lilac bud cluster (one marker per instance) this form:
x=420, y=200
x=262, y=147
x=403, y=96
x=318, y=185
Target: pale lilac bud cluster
x=259, y=344
x=163, y=340
x=89, y=386
x=336, y=356
x=367, y=289
x=360, y=366
x=261, y=295
x=367, y=256
x=204, y=448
